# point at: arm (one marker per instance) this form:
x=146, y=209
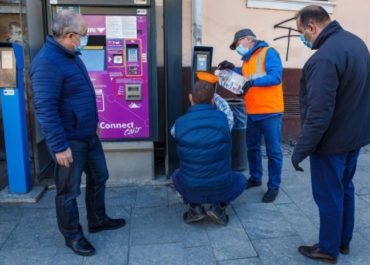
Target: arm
x=322, y=83
x=47, y=82
x=274, y=70
x=222, y=105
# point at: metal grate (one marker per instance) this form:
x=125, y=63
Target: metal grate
x=291, y=105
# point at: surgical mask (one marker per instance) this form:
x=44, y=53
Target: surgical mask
x=83, y=43
x=305, y=41
x=241, y=50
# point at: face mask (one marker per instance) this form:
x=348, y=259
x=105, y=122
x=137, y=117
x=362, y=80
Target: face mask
x=241, y=50
x=305, y=41
x=83, y=43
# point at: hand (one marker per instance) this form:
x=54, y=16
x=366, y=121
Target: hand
x=295, y=162
x=225, y=65
x=64, y=158
x=98, y=130
x=246, y=87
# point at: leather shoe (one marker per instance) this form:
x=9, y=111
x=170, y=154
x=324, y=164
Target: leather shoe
x=109, y=224
x=344, y=250
x=81, y=246
x=251, y=183
x=270, y=195
x=314, y=252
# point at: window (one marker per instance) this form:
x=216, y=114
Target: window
x=290, y=4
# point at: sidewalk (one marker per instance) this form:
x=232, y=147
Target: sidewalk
x=257, y=233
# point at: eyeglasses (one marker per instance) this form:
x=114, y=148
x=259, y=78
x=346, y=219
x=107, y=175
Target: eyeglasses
x=82, y=35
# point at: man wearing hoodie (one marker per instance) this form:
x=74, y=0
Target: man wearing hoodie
x=263, y=96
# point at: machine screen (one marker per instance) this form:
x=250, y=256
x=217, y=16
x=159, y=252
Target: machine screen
x=94, y=60
x=132, y=54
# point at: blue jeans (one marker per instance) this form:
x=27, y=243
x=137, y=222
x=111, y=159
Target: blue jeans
x=88, y=156
x=190, y=196
x=333, y=192
x=270, y=129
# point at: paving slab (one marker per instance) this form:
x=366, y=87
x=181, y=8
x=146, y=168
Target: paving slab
x=151, y=196
x=200, y=256
x=230, y=241
x=262, y=220
x=171, y=254
x=249, y=261
x=155, y=225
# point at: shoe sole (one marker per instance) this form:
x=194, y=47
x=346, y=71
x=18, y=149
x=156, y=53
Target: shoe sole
x=193, y=220
x=328, y=261
x=102, y=229
x=253, y=186
x=82, y=253
x=217, y=219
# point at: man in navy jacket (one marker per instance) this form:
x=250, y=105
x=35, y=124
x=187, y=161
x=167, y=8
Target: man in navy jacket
x=65, y=105
x=335, y=114
x=204, y=147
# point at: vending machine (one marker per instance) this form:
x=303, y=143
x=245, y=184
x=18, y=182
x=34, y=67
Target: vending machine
x=121, y=66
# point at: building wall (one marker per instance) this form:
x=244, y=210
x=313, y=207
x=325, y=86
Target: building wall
x=222, y=18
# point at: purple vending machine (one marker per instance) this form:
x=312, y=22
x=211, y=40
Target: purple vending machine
x=116, y=59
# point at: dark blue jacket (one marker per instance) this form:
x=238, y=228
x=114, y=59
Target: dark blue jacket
x=335, y=95
x=64, y=96
x=204, y=148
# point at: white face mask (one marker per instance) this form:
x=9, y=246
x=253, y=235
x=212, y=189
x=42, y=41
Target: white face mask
x=83, y=43
x=241, y=50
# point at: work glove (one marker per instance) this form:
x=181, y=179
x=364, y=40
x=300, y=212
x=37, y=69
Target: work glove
x=246, y=87
x=295, y=161
x=225, y=65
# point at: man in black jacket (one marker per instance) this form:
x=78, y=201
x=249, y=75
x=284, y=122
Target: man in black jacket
x=335, y=114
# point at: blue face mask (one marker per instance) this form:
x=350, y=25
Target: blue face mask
x=83, y=43
x=305, y=41
x=242, y=50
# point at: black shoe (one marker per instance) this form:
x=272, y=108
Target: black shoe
x=218, y=214
x=344, y=249
x=109, y=224
x=253, y=183
x=81, y=246
x=270, y=195
x=194, y=214
x=314, y=252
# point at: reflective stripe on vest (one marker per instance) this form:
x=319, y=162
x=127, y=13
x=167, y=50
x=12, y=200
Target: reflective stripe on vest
x=261, y=100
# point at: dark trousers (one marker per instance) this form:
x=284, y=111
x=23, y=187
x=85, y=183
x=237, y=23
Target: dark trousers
x=333, y=192
x=88, y=157
x=270, y=129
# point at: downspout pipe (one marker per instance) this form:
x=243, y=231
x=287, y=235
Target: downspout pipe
x=196, y=8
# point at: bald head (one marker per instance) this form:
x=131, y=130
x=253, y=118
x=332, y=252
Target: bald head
x=68, y=21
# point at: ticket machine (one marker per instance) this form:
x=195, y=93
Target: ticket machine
x=122, y=67
x=14, y=117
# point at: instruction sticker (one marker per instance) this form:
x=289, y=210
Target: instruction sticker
x=7, y=59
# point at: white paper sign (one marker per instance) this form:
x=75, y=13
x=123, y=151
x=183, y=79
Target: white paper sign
x=114, y=27
x=7, y=59
x=129, y=27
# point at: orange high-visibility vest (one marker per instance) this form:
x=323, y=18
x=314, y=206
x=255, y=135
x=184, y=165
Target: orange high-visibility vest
x=261, y=100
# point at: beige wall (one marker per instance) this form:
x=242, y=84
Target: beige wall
x=222, y=18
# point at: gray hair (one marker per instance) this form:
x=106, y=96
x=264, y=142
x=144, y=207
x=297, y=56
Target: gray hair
x=65, y=22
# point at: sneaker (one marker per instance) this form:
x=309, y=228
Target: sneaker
x=218, y=214
x=253, y=183
x=270, y=195
x=194, y=214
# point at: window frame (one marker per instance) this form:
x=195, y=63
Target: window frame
x=294, y=5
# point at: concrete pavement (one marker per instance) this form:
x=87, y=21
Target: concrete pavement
x=257, y=233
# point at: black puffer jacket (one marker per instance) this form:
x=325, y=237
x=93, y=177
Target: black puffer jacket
x=335, y=95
